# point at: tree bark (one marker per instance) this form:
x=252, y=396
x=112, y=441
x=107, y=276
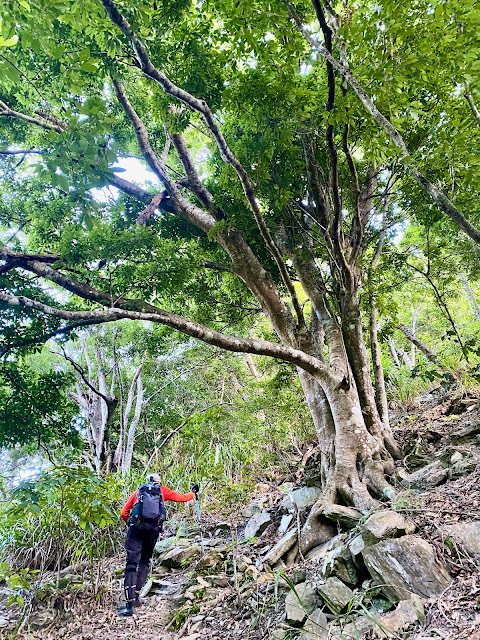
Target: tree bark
x=380, y=391
x=470, y=295
x=322, y=419
x=127, y=461
x=431, y=355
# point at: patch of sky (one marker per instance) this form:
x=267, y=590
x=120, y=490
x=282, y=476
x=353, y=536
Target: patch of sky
x=137, y=172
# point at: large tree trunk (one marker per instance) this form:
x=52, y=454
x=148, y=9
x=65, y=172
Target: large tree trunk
x=359, y=362
x=322, y=419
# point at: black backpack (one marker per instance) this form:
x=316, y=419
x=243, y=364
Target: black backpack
x=149, y=511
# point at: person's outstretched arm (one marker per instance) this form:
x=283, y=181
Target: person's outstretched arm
x=173, y=496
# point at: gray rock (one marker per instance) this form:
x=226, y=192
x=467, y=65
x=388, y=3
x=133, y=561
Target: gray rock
x=462, y=468
x=300, y=498
x=285, y=523
x=282, y=546
x=346, y=516
x=180, y=556
x=465, y=534
x=357, y=629
x=163, y=586
x=317, y=554
x=217, y=580
x=298, y=575
x=211, y=559
x=385, y=524
x=165, y=545
x=316, y=626
x=467, y=433
x=335, y=594
x=386, y=626
x=291, y=556
x=427, y=477
x=406, y=565
x=301, y=602
x=316, y=531
x=177, y=600
x=338, y=562
x=191, y=592
x=456, y=457
x=356, y=545
x=407, y=612
x=257, y=524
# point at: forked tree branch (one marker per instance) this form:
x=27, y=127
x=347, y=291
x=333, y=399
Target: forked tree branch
x=440, y=199
x=39, y=122
x=110, y=401
x=186, y=209
x=226, y=154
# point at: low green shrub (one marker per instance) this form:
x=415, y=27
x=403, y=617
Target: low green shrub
x=66, y=516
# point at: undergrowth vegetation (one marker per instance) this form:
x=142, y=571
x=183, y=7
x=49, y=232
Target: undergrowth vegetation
x=66, y=516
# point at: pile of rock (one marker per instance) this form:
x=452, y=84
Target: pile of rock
x=328, y=595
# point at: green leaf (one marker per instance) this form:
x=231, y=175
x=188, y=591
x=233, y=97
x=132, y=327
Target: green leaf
x=89, y=66
x=10, y=42
x=84, y=54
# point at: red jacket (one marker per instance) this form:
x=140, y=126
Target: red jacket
x=167, y=494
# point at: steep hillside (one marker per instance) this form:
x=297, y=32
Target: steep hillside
x=406, y=571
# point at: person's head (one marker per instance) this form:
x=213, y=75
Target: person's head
x=154, y=477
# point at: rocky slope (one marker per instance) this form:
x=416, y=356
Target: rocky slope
x=409, y=570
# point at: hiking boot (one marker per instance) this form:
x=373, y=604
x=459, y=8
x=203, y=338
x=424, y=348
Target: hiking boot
x=138, y=602
x=128, y=610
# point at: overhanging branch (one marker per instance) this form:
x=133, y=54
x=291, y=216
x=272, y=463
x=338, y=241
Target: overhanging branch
x=184, y=325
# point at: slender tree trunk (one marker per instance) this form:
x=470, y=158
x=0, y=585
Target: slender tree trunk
x=380, y=391
x=393, y=352
x=360, y=365
x=127, y=462
x=470, y=295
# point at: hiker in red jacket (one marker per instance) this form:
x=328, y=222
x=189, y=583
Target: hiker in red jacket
x=144, y=513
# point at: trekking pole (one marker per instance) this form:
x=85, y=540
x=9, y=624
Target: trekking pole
x=196, y=489
x=197, y=502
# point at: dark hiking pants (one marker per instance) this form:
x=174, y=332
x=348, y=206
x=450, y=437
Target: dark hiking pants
x=139, y=546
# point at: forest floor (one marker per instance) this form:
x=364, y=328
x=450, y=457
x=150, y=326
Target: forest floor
x=253, y=611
